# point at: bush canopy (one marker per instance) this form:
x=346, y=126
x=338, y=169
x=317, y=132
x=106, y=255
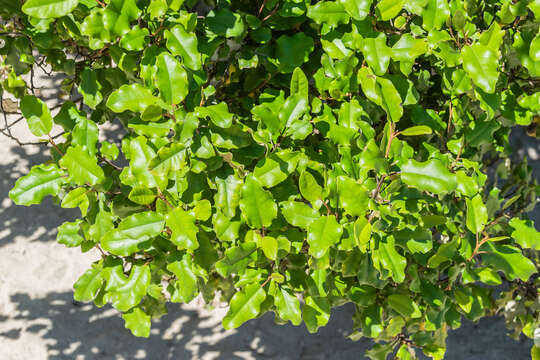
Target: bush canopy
x=290, y=156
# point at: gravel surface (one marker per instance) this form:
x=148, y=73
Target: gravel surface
x=39, y=320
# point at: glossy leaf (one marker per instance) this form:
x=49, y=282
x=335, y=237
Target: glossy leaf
x=42, y=180
x=480, y=62
x=132, y=232
x=171, y=79
x=430, y=176
x=244, y=305
x=81, y=167
x=37, y=114
x=47, y=9
x=476, y=214
x=132, y=97
x=184, y=230
x=257, y=205
x=184, y=44
x=322, y=234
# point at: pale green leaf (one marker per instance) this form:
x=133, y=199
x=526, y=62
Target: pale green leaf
x=244, y=305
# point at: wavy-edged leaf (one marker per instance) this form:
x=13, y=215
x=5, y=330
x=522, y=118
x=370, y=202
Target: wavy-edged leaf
x=184, y=44
x=184, y=230
x=257, y=205
x=430, y=176
x=37, y=115
x=138, y=322
x=288, y=306
x=480, y=62
x=322, y=234
x=42, y=180
x=132, y=232
x=476, y=214
x=509, y=260
x=129, y=292
x=244, y=305
x=185, y=286
x=298, y=213
x=82, y=168
x=88, y=284
x=134, y=97
x=171, y=79
x=48, y=9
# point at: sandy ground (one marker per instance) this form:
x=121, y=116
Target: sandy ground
x=39, y=320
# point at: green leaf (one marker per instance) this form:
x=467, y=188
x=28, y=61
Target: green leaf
x=90, y=88
x=377, y=54
x=525, y=234
x=404, y=305
x=132, y=97
x=244, y=305
x=382, y=92
x=330, y=13
x=288, y=306
x=227, y=197
x=68, y=234
x=316, y=312
x=168, y=159
x=42, y=180
x=142, y=195
x=309, y=188
x=389, y=9
x=219, y=114
x=269, y=246
x=88, y=284
x=82, y=167
x=184, y=44
x=509, y=260
x=127, y=293
x=171, y=79
x=119, y=14
x=184, y=230
x=135, y=40
x=48, y=9
x=435, y=14
x=416, y=130
x=353, y=196
x=293, y=51
x=185, y=287
x=362, y=232
x=322, y=234
x=138, y=322
x=225, y=23
x=480, y=62
x=391, y=260
x=37, y=115
x=534, y=50
x=476, y=214
x=299, y=84
x=276, y=168
x=257, y=205
x=357, y=9
x=298, y=213
x=77, y=198
x=132, y=232
x=236, y=259
x=85, y=134
x=430, y=176
x=293, y=109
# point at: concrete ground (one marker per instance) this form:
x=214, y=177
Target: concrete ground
x=39, y=320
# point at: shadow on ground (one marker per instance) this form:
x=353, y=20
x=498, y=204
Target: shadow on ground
x=82, y=331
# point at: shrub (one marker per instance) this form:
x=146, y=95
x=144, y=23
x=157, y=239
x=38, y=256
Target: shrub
x=291, y=156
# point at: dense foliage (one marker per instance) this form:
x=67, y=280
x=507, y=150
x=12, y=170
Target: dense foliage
x=291, y=156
